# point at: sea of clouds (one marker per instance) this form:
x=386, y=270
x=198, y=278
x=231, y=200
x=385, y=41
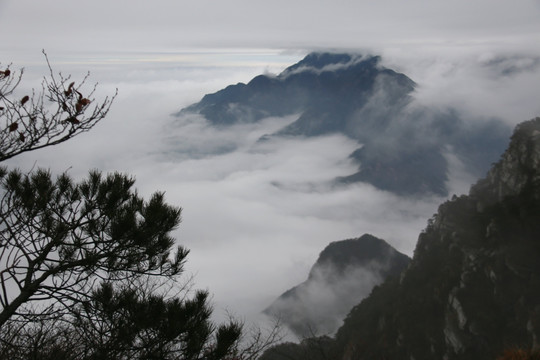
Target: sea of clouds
x=257, y=214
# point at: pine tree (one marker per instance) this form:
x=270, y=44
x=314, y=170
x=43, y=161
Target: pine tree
x=89, y=269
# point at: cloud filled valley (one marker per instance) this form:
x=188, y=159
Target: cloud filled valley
x=260, y=214
x=257, y=213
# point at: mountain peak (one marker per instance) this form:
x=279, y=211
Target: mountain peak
x=404, y=148
x=322, y=60
x=355, y=252
x=519, y=167
x=344, y=273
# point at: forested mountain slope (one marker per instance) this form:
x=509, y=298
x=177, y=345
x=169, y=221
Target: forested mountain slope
x=472, y=289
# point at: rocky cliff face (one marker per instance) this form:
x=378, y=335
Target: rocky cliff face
x=472, y=289
x=518, y=170
x=473, y=286
x=404, y=147
x=345, y=273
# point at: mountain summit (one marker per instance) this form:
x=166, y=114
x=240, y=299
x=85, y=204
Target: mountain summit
x=324, y=88
x=403, y=148
x=345, y=273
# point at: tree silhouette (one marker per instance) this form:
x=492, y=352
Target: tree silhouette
x=59, y=238
x=57, y=113
x=89, y=269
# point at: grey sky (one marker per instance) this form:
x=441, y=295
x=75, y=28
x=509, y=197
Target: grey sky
x=73, y=25
x=251, y=215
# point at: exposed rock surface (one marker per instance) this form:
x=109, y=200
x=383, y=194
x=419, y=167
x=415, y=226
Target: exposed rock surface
x=345, y=273
x=473, y=286
x=518, y=170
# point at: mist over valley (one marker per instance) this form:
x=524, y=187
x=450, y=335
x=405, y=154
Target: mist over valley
x=270, y=191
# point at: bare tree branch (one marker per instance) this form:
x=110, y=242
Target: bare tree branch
x=62, y=110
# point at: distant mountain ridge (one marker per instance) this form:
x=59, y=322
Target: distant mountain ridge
x=345, y=272
x=403, y=148
x=322, y=85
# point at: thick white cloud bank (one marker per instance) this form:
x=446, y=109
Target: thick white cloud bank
x=256, y=215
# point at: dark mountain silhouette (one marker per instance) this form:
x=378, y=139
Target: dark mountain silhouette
x=345, y=272
x=472, y=289
x=403, y=146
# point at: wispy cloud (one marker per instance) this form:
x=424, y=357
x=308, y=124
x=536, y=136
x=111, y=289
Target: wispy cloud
x=479, y=82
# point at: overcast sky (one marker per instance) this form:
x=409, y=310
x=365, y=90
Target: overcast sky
x=257, y=217
x=72, y=25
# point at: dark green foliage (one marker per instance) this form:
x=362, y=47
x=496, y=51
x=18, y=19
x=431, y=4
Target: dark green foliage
x=120, y=324
x=126, y=323
x=55, y=230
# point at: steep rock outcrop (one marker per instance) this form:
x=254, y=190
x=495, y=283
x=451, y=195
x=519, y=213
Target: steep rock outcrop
x=473, y=286
x=345, y=272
